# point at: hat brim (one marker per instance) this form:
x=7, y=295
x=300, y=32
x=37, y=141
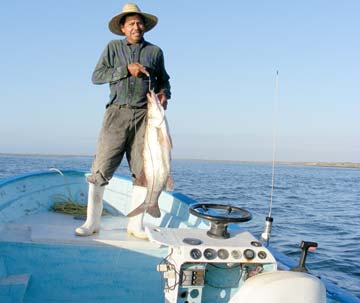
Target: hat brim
x=149, y=22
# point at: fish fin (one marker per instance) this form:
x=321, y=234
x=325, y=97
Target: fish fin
x=169, y=184
x=169, y=140
x=138, y=210
x=168, y=136
x=154, y=211
x=164, y=137
x=141, y=180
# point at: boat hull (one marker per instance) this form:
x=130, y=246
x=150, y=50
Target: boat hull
x=41, y=260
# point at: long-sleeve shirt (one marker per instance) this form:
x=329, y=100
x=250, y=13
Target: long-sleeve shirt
x=124, y=88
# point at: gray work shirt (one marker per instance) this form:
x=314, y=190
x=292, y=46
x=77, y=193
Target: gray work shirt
x=125, y=89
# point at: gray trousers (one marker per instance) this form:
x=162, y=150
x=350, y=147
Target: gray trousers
x=122, y=131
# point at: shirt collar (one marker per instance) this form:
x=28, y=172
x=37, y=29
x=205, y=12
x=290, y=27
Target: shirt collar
x=140, y=43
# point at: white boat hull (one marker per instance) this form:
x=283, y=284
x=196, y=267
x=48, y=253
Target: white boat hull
x=41, y=260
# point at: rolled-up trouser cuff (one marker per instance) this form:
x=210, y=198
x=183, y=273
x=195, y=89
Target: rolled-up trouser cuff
x=97, y=179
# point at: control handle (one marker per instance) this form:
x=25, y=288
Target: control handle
x=305, y=247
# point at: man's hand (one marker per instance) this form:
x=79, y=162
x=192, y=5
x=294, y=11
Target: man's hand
x=162, y=99
x=136, y=69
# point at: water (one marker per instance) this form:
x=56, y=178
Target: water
x=310, y=203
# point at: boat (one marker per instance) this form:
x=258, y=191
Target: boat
x=196, y=252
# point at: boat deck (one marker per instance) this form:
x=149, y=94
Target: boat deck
x=51, y=227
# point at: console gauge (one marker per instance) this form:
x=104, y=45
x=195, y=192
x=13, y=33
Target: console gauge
x=262, y=254
x=249, y=254
x=210, y=254
x=236, y=254
x=223, y=254
x=192, y=241
x=256, y=243
x=195, y=253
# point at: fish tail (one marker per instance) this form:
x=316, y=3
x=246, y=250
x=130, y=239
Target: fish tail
x=169, y=184
x=154, y=211
x=138, y=210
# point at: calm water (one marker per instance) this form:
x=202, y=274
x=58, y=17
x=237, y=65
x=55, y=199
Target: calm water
x=310, y=203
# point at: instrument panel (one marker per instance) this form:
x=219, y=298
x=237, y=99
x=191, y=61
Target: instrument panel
x=226, y=254
x=198, y=265
x=254, y=251
x=196, y=246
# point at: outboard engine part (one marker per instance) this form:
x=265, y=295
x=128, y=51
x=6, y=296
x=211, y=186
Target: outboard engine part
x=281, y=286
x=305, y=247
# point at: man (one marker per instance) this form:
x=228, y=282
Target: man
x=130, y=66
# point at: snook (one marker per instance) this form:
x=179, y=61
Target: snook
x=157, y=155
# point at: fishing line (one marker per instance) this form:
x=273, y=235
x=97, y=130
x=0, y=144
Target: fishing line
x=149, y=83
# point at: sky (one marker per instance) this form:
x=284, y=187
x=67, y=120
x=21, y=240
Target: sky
x=222, y=56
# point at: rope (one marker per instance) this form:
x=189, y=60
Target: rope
x=72, y=208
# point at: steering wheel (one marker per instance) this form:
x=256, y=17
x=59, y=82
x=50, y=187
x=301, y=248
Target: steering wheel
x=220, y=216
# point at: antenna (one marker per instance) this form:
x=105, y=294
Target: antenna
x=265, y=236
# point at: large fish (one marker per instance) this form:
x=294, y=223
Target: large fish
x=157, y=154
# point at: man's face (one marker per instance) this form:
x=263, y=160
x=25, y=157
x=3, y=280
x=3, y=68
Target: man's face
x=133, y=28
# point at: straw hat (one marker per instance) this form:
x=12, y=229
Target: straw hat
x=130, y=8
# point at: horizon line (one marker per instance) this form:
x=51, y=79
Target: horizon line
x=345, y=164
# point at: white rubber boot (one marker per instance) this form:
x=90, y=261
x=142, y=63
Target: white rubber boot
x=94, y=211
x=135, y=226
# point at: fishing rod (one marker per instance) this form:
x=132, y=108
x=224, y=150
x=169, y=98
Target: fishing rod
x=265, y=236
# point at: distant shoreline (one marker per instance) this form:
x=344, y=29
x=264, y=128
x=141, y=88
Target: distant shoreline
x=290, y=163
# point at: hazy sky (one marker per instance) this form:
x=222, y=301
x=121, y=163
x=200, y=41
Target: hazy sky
x=222, y=57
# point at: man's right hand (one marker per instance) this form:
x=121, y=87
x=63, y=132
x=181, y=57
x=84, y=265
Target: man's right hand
x=136, y=69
